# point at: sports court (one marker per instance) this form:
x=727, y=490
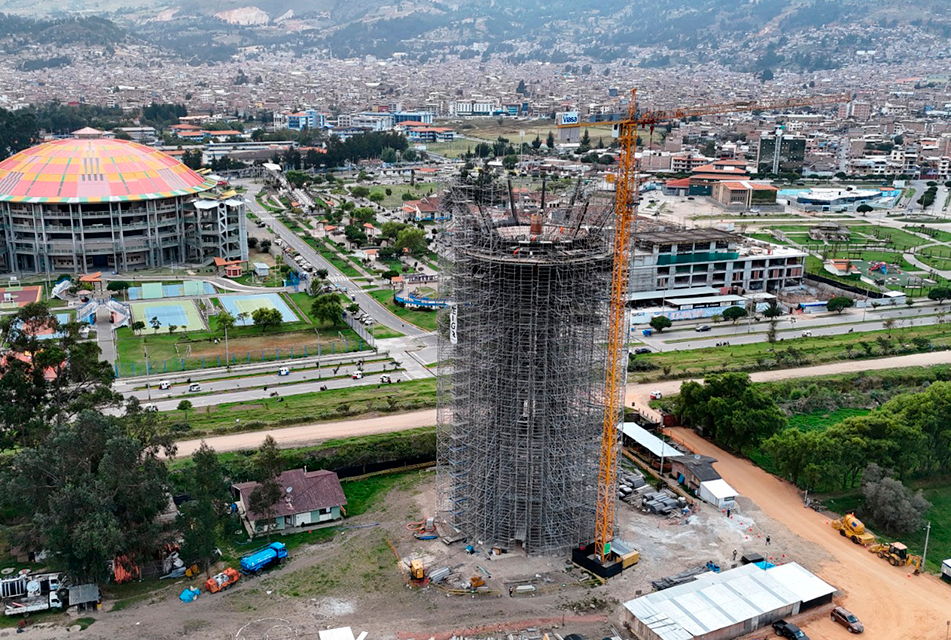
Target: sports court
x=16, y=297
x=157, y=290
x=183, y=314
x=247, y=304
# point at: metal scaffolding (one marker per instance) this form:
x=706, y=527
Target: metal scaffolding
x=522, y=354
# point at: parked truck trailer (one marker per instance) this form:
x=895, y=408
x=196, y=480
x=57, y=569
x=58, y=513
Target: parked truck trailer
x=261, y=559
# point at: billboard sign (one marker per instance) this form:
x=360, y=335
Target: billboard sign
x=569, y=117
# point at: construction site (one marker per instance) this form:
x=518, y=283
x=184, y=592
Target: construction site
x=522, y=403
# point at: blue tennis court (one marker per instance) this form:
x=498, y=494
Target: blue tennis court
x=187, y=288
x=248, y=304
x=183, y=315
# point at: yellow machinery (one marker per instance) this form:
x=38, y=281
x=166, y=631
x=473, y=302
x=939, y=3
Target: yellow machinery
x=416, y=570
x=625, y=201
x=852, y=528
x=897, y=555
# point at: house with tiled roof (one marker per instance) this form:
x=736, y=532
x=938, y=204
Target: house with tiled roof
x=421, y=210
x=307, y=498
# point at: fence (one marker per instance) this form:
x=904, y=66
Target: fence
x=360, y=330
x=154, y=366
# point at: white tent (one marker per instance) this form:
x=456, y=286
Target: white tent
x=718, y=493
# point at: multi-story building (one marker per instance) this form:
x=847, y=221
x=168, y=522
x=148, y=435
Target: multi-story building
x=89, y=203
x=781, y=153
x=413, y=116
x=668, y=260
x=307, y=119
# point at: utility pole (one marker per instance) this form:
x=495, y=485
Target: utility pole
x=924, y=556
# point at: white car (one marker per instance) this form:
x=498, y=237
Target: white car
x=656, y=395
x=357, y=375
x=165, y=384
x=283, y=371
x=150, y=408
x=194, y=387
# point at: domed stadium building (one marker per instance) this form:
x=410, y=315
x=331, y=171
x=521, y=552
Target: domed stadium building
x=90, y=203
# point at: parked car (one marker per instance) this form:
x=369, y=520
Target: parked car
x=789, y=630
x=847, y=619
x=703, y=327
x=656, y=395
x=641, y=350
x=194, y=387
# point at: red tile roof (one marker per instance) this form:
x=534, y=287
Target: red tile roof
x=302, y=491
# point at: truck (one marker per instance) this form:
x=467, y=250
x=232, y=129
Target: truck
x=946, y=569
x=852, y=528
x=221, y=581
x=41, y=592
x=259, y=560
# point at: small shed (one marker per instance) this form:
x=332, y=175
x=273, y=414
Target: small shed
x=718, y=493
x=84, y=596
x=261, y=270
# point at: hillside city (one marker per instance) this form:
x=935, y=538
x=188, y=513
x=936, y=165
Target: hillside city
x=439, y=320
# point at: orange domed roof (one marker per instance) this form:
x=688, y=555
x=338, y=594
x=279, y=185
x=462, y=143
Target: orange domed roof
x=90, y=169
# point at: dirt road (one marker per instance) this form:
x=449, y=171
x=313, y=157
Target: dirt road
x=637, y=395
x=892, y=603
x=309, y=433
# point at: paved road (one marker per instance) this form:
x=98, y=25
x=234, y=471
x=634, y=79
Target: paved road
x=367, y=303
x=637, y=395
x=891, y=603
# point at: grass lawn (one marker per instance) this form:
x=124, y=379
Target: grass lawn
x=899, y=237
x=332, y=404
x=395, y=198
x=265, y=202
x=382, y=332
x=334, y=258
x=814, y=265
x=422, y=319
x=456, y=148
x=761, y=355
x=765, y=237
x=822, y=420
x=166, y=352
x=937, y=234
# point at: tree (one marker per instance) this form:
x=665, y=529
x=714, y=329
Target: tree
x=839, y=304
x=18, y=131
x=252, y=242
x=734, y=314
x=889, y=324
x=864, y=208
x=321, y=274
x=773, y=310
x=137, y=326
x=265, y=245
x=411, y=240
x=659, y=323
x=377, y=197
x=266, y=317
x=359, y=192
x=226, y=320
x=799, y=456
x=185, y=406
x=171, y=328
x=352, y=309
x=731, y=410
x=892, y=505
x=389, y=274
x=201, y=518
x=939, y=294
x=550, y=140
x=119, y=286
x=509, y=162
x=49, y=381
x=155, y=323
x=521, y=87
x=537, y=143
x=327, y=308
x=771, y=332
x=265, y=496
x=410, y=155
x=94, y=488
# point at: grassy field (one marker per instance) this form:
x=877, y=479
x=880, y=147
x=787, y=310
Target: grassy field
x=899, y=237
x=166, y=352
x=455, y=149
x=762, y=355
x=937, y=234
x=382, y=332
x=395, y=199
x=822, y=420
x=333, y=404
x=422, y=319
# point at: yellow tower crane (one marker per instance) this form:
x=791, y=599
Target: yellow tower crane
x=625, y=203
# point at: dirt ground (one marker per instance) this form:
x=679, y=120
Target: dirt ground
x=891, y=602
x=356, y=580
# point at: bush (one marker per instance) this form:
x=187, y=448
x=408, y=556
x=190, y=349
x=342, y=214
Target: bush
x=891, y=504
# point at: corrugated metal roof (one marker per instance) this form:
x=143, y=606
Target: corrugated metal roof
x=648, y=440
x=718, y=600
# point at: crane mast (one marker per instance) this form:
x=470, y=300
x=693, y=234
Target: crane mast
x=625, y=202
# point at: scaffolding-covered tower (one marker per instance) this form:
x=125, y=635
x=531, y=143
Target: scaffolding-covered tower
x=522, y=362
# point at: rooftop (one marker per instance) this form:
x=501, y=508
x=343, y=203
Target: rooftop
x=681, y=237
x=92, y=169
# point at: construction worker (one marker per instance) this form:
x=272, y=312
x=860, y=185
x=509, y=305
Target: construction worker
x=734, y=555
x=767, y=541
